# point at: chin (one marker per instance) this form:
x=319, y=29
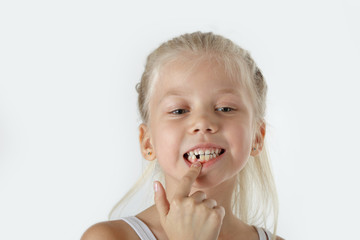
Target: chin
x=207, y=182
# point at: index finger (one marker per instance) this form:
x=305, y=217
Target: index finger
x=184, y=188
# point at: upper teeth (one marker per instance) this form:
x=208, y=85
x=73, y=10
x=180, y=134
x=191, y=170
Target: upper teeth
x=203, y=154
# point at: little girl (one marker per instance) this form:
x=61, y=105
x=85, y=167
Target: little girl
x=202, y=100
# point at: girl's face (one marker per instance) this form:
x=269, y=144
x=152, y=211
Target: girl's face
x=200, y=109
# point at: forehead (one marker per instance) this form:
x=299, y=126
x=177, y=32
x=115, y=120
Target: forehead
x=192, y=74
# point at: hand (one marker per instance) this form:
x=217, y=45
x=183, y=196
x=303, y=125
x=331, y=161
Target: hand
x=189, y=217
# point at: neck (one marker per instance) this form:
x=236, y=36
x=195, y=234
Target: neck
x=222, y=193
x=231, y=228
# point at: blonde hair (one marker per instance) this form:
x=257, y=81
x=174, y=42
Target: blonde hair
x=254, y=200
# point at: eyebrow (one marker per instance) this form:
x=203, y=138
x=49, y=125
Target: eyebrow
x=229, y=90
x=175, y=92
x=178, y=92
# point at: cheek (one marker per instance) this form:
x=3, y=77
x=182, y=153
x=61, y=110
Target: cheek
x=240, y=144
x=167, y=140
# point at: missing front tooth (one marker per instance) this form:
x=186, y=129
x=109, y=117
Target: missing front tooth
x=187, y=155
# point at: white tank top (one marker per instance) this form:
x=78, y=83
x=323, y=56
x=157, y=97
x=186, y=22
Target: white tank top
x=145, y=233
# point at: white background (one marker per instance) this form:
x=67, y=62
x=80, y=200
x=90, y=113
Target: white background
x=68, y=118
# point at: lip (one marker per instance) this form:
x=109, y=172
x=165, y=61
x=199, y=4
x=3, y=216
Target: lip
x=205, y=145
x=212, y=161
x=207, y=164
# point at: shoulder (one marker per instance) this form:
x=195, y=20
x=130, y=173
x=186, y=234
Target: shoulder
x=110, y=230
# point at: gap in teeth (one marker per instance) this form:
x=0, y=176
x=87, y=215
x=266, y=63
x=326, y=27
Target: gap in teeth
x=203, y=155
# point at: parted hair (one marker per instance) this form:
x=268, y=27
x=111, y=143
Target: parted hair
x=254, y=199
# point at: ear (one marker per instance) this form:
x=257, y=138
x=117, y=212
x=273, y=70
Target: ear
x=258, y=142
x=146, y=147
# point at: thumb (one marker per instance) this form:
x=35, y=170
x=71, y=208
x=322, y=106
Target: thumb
x=162, y=204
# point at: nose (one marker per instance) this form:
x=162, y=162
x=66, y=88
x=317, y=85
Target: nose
x=203, y=124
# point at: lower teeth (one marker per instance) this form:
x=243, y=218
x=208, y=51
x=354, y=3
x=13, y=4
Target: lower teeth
x=203, y=157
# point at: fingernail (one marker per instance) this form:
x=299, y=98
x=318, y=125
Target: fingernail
x=196, y=164
x=155, y=186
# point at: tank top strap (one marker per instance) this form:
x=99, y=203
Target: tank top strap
x=264, y=234
x=141, y=229
x=144, y=232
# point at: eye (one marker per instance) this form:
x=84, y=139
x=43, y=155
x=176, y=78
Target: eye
x=225, y=109
x=179, y=111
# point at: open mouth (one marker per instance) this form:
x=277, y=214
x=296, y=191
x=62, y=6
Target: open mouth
x=203, y=155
